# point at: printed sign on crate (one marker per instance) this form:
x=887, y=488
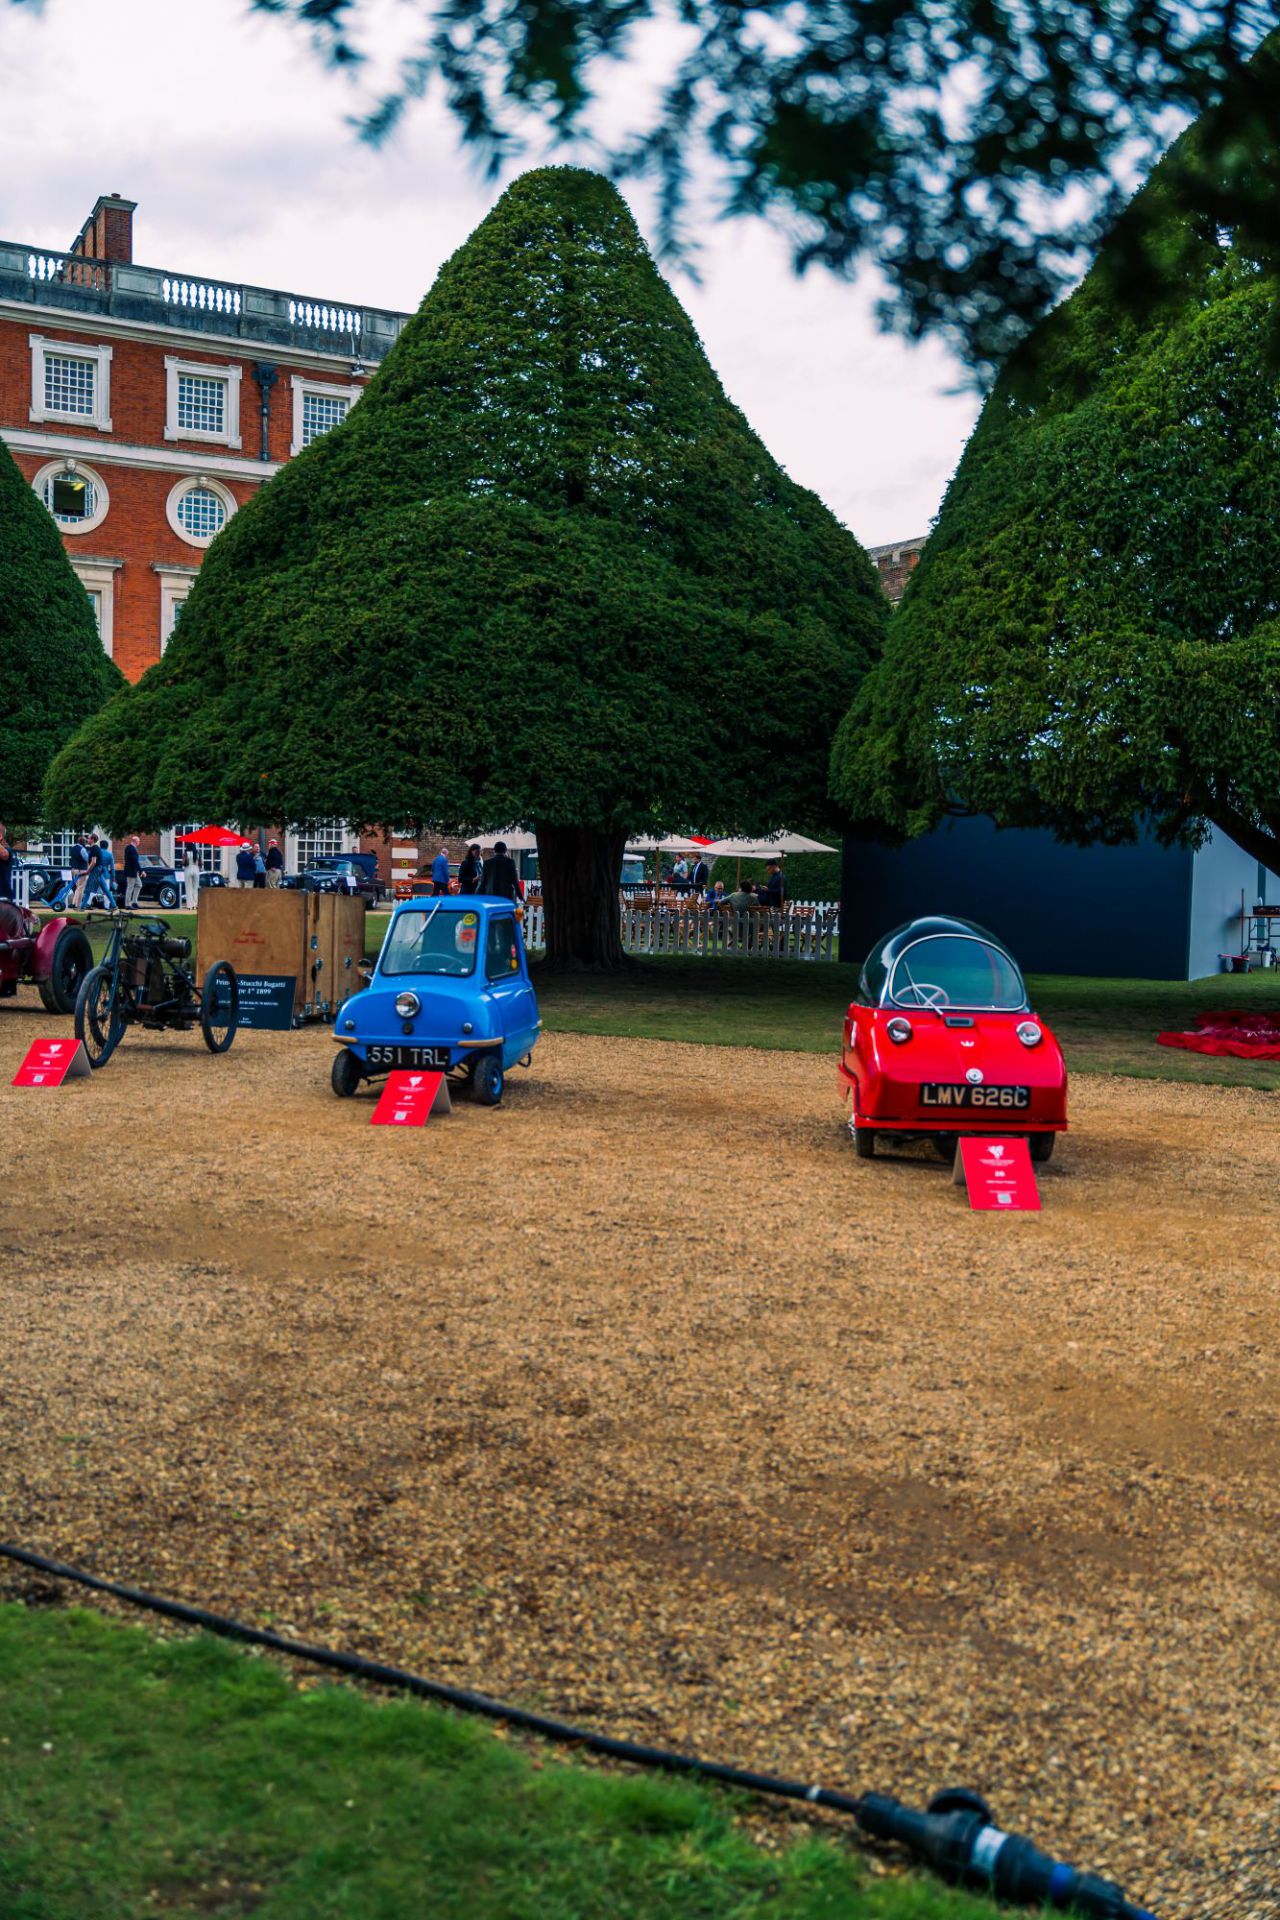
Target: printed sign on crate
x=408, y=1098
x=998, y=1174
x=266, y=1000
x=51, y=1062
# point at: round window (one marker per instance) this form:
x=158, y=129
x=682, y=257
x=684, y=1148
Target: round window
x=74, y=495
x=201, y=512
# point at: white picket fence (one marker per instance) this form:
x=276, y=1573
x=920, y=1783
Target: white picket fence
x=805, y=931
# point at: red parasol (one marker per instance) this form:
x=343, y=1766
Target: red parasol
x=211, y=837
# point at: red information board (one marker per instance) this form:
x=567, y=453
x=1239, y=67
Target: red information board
x=408, y=1098
x=999, y=1175
x=50, y=1062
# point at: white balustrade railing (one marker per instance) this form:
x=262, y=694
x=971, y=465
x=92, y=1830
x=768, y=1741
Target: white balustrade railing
x=804, y=931
x=202, y=296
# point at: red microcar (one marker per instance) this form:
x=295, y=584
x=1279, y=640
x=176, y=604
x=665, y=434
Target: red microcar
x=941, y=1041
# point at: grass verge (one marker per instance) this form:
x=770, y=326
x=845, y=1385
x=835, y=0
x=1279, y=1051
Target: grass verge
x=188, y=1778
x=1105, y=1026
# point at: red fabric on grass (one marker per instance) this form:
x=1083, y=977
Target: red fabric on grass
x=1247, y=1035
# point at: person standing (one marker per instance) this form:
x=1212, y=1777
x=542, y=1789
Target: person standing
x=244, y=864
x=470, y=869
x=700, y=878
x=774, y=891
x=72, y=891
x=103, y=878
x=499, y=875
x=191, y=879
x=275, y=863
x=440, y=871
x=8, y=866
x=259, y=868
x=132, y=872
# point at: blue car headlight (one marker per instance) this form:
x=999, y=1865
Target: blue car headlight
x=407, y=1004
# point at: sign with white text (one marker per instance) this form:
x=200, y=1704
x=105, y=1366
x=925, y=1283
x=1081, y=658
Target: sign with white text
x=998, y=1174
x=49, y=1063
x=409, y=1098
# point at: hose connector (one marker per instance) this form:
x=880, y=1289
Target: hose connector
x=958, y=1838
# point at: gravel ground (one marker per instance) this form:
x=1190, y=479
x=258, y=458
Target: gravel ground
x=640, y=1399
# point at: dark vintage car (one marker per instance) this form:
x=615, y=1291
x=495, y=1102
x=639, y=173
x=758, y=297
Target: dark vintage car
x=160, y=883
x=355, y=873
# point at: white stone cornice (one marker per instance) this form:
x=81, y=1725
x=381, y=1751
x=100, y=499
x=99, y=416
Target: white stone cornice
x=117, y=453
x=77, y=325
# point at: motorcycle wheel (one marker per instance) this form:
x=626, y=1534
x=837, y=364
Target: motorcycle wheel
x=99, y=1017
x=219, y=1007
x=72, y=960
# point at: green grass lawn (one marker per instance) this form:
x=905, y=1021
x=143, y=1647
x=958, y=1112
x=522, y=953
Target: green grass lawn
x=187, y=1778
x=1105, y=1026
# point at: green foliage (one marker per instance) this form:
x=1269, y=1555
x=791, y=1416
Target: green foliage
x=848, y=122
x=186, y=1778
x=1093, y=632
x=52, y=668
x=543, y=571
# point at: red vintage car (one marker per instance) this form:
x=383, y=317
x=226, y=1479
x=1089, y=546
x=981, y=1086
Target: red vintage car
x=54, y=956
x=941, y=1041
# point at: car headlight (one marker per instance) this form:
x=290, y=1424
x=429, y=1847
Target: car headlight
x=899, y=1030
x=1029, y=1033
x=407, y=1004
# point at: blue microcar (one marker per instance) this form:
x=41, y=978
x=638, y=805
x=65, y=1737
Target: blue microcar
x=451, y=992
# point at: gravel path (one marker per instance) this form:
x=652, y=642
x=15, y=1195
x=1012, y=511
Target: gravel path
x=641, y=1399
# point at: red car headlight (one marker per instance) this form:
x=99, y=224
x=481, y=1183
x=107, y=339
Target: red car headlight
x=899, y=1030
x=1029, y=1033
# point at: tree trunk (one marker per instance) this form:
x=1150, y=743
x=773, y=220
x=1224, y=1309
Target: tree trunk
x=580, y=869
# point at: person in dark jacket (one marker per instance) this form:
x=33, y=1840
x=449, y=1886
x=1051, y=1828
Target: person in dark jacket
x=132, y=873
x=8, y=866
x=275, y=863
x=244, y=865
x=498, y=875
x=774, y=891
x=470, y=869
x=700, y=878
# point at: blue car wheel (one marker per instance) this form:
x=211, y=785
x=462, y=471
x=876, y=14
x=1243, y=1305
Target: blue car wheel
x=488, y=1079
x=347, y=1073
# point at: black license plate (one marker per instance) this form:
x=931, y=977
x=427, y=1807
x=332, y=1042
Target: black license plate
x=396, y=1057
x=942, y=1093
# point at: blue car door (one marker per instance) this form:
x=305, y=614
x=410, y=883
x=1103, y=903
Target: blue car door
x=512, y=995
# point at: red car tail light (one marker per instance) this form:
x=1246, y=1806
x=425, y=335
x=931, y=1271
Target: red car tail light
x=899, y=1029
x=1029, y=1033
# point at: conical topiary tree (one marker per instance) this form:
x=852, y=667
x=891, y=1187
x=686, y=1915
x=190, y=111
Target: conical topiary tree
x=53, y=671
x=1092, y=637
x=544, y=572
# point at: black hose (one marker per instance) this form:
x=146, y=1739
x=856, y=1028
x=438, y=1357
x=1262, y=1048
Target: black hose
x=955, y=1835
x=466, y=1702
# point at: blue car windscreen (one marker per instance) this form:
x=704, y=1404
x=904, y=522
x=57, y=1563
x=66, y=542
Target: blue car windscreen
x=431, y=941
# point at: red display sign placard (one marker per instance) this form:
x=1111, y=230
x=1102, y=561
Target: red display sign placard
x=408, y=1098
x=999, y=1175
x=51, y=1062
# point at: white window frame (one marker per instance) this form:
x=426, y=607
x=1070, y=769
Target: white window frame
x=175, y=584
x=42, y=344
x=187, y=482
x=82, y=471
x=203, y=370
x=329, y=389
x=99, y=576
x=350, y=842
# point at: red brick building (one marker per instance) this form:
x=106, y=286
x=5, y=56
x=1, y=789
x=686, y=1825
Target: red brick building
x=169, y=399
x=896, y=564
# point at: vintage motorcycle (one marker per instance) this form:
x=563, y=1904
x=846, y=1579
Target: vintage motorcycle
x=142, y=980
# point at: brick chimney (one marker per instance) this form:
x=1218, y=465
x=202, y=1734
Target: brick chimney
x=108, y=232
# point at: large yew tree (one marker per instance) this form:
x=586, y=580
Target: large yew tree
x=53, y=672
x=1092, y=637
x=544, y=572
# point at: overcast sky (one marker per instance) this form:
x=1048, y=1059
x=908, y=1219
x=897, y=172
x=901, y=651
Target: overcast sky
x=231, y=136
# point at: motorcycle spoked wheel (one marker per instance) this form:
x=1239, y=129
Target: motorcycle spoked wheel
x=219, y=1007
x=100, y=1021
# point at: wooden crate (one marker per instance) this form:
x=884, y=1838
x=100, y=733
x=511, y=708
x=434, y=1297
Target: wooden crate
x=317, y=937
